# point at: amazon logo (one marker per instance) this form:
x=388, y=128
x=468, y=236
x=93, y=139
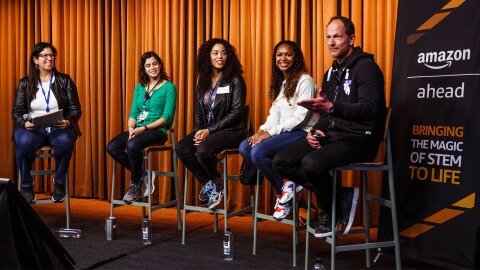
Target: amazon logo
x=443, y=59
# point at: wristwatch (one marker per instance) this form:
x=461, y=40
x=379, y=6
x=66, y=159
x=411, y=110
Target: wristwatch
x=146, y=128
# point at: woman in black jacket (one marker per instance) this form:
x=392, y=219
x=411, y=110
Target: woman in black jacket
x=219, y=106
x=45, y=90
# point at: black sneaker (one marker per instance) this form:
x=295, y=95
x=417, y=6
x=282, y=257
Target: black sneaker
x=29, y=195
x=58, y=194
x=348, y=205
x=324, y=229
x=131, y=194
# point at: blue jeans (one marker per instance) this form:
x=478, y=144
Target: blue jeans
x=28, y=142
x=261, y=155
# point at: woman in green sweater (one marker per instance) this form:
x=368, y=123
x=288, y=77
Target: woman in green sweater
x=151, y=115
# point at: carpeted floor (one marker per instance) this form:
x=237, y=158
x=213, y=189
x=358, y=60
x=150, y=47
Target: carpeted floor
x=203, y=249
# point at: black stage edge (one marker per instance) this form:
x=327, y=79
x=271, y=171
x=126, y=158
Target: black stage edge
x=26, y=242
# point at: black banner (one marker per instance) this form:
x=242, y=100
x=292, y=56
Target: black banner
x=435, y=129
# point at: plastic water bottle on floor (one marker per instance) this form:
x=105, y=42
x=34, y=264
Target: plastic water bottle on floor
x=147, y=231
x=227, y=246
x=318, y=265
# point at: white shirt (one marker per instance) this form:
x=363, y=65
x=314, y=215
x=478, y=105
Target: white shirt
x=287, y=115
x=39, y=104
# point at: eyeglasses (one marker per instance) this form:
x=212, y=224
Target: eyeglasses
x=46, y=55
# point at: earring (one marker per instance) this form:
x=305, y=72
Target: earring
x=36, y=66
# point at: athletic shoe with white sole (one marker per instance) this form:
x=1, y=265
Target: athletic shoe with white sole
x=282, y=211
x=206, y=190
x=215, y=197
x=287, y=191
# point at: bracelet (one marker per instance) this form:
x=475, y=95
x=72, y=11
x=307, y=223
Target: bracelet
x=146, y=128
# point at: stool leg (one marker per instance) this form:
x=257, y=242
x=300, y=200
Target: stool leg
x=255, y=215
x=366, y=217
x=113, y=189
x=184, y=221
x=67, y=201
x=307, y=233
x=177, y=198
x=334, y=223
x=295, y=224
x=225, y=194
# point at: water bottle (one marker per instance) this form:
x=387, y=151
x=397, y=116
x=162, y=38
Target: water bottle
x=227, y=246
x=110, y=228
x=147, y=231
x=318, y=265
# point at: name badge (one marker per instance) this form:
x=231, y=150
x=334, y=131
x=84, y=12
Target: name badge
x=142, y=117
x=223, y=90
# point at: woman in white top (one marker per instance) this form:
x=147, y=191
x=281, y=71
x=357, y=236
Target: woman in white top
x=45, y=90
x=286, y=124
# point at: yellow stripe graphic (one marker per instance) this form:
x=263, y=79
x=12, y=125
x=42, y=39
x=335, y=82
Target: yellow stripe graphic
x=440, y=217
x=453, y=4
x=433, y=21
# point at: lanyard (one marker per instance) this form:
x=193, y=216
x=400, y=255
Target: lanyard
x=147, y=94
x=47, y=97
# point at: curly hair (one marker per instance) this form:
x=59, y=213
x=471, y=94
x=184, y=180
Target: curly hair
x=143, y=76
x=293, y=73
x=34, y=73
x=204, y=68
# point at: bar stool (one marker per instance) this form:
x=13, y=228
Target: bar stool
x=46, y=153
x=173, y=175
x=294, y=222
x=222, y=158
x=385, y=166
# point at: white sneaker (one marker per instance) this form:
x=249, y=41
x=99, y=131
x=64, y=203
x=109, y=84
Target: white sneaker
x=282, y=211
x=287, y=191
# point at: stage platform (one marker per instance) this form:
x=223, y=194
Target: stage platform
x=203, y=248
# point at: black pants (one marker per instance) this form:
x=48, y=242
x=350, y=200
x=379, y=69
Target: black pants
x=201, y=160
x=133, y=158
x=308, y=166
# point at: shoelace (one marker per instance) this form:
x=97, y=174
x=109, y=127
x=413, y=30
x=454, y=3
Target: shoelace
x=214, y=192
x=207, y=187
x=132, y=189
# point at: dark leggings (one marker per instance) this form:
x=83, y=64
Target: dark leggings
x=201, y=160
x=132, y=159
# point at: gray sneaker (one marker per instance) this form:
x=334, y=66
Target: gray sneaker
x=131, y=194
x=147, y=190
x=215, y=198
x=206, y=190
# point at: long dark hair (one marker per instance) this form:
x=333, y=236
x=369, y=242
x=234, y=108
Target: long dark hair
x=294, y=72
x=143, y=76
x=33, y=72
x=204, y=68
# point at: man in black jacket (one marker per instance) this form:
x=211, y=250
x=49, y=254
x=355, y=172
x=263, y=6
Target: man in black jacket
x=352, y=107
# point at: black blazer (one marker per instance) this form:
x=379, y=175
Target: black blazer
x=227, y=109
x=65, y=92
